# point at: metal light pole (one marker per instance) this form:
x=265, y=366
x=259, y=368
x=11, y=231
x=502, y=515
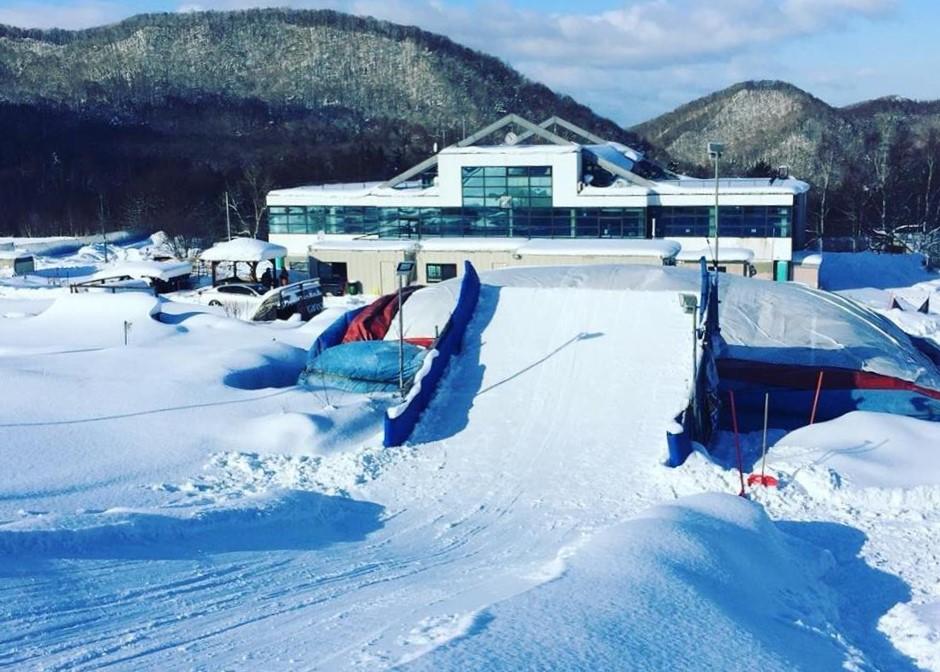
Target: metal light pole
x=403, y=271
x=401, y=338
x=714, y=152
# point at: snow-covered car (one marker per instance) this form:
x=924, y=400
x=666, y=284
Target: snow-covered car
x=253, y=301
x=240, y=299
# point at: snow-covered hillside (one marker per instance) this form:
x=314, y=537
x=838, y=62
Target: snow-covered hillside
x=179, y=503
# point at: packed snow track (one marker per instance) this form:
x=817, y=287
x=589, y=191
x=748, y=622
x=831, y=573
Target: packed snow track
x=548, y=426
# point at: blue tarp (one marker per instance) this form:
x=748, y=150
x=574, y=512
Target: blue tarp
x=363, y=366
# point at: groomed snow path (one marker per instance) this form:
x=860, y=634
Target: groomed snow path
x=551, y=424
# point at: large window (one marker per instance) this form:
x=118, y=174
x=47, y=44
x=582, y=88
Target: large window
x=532, y=221
x=737, y=221
x=507, y=186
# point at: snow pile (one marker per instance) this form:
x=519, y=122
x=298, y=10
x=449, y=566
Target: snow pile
x=244, y=249
x=707, y=583
x=87, y=321
x=868, y=450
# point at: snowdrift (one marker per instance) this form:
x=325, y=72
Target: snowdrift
x=88, y=321
x=649, y=593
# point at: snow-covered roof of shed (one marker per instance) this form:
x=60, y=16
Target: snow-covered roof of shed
x=727, y=255
x=372, y=245
x=244, y=249
x=160, y=270
x=600, y=247
x=14, y=254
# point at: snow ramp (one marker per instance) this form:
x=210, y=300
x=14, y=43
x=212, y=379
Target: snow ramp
x=555, y=371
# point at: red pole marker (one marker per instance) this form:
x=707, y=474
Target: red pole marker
x=737, y=442
x=812, y=416
x=762, y=478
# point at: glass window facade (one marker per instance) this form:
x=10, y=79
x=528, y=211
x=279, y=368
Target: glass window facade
x=457, y=222
x=739, y=221
x=531, y=222
x=507, y=186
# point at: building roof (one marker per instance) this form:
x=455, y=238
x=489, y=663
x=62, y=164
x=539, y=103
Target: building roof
x=635, y=175
x=726, y=255
x=244, y=249
x=558, y=247
x=159, y=270
x=600, y=247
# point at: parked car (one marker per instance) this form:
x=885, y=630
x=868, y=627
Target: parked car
x=254, y=301
x=245, y=295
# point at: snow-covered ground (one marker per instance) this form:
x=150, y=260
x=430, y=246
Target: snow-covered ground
x=178, y=503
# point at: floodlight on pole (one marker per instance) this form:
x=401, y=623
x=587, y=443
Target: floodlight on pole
x=403, y=271
x=715, y=150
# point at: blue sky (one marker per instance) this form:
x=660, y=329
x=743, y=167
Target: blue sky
x=633, y=59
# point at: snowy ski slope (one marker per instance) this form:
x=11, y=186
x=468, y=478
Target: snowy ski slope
x=552, y=426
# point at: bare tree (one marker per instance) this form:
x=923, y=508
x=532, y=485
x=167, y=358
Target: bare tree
x=248, y=200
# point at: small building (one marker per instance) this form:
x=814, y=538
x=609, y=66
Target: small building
x=156, y=276
x=373, y=262
x=520, y=181
x=17, y=261
x=248, y=251
x=737, y=260
x=806, y=267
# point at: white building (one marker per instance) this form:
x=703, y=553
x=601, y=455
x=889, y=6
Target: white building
x=536, y=184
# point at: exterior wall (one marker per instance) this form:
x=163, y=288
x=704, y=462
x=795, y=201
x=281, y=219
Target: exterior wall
x=483, y=260
x=808, y=275
x=375, y=269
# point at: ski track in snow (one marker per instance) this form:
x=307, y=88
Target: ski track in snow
x=248, y=531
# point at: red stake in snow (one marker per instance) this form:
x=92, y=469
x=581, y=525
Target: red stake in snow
x=737, y=441
x=812, y=416
x=762, y=478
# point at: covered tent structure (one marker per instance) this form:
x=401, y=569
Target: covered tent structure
x=160, y=276
x=249, y=251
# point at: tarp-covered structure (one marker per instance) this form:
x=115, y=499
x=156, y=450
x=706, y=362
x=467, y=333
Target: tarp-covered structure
x=355, y=354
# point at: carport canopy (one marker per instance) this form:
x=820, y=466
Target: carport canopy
x=245, y=250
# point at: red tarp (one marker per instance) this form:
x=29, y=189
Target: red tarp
x=375, y=319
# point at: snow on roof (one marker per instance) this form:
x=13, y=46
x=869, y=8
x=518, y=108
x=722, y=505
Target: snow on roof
x=725, y=254
x=606, y=247
x=806, y=258
x=14, y=254
x=244, y=249
x=513, y=149
x=160, y=270
x=371, y=244
x=471, y=244
x=747, y=185
x=614, y=155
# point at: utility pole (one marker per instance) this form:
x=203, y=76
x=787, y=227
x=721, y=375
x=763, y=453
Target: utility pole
x=228, y=219
x=104, y=236
x=714, y=152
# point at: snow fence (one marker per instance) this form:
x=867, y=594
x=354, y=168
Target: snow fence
x=699, y=421
x=401, y=420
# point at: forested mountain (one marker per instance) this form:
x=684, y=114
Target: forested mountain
x=873, y=165
x=147, y=122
